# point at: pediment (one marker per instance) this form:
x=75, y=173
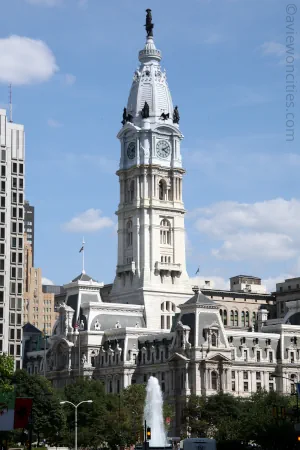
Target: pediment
x=128, y=127
x=177, y=357
x=168, y=129
x=218, y=357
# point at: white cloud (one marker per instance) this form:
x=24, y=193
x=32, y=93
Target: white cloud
x=268, y=229
x=54, y=123
x=45, y=2
x=89, y=221
x=25, y=61
x=47, y=281
x=273, y=48
x=213, y=38
x=69, y=79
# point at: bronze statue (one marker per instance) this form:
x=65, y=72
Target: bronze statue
x=164, y=116
x=145, y=111
x=124, y=116
x=176, y=116
x=149, y=25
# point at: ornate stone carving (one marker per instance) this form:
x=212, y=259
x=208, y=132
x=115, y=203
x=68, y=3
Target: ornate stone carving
x=97, y=325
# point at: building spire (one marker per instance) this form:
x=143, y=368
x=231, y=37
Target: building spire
x=149, y=25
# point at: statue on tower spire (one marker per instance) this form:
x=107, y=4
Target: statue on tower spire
x=149, y=25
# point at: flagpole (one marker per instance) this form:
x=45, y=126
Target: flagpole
x=83, y=271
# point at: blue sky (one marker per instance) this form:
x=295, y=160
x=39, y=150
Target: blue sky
x=71, y=63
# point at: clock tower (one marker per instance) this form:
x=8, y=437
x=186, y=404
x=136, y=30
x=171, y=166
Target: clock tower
x=151, y=267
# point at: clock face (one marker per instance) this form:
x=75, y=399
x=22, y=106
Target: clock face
x=131, y=150
x=163, y=149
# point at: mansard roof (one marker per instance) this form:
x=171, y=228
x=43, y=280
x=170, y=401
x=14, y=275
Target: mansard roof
x=200, y=299
x=83, y=277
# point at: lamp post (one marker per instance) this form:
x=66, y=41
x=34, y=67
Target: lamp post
x=76, y=406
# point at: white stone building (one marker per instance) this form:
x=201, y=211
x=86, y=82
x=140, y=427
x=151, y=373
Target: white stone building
x=12, y=152
x=151, y=321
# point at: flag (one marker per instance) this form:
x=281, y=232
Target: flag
x=81, y=250
x=22, y=412
x=197, y=271
x=7, y=411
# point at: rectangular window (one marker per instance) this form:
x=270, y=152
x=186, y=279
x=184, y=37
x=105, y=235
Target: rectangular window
x=2, y=203
x=21, y=183
x=3, y=186
x=11, y=349
x=2, y=233
x=233, y=374
x=3, y=155
x=14, y=197
x=14, y=227
x=271, y=357
x=20, y=258
x=21, y=227
x=2, y=280
x=12, y=303
x=18, y=350
x=14, y=168
x=19, y=319
x=3, y=171
x=233, y=386
x=20, y=273
x=2, y=217
x=258, y=376
x=258, y=387
x=1, y=313
x=13, y=257
x=13, y=272
x=1, y=328
x=14, y=212
x=12, y=318
x=2, y=249
x=12, y=287
x=18, y=334
x=245, y=375
x=11, y=334
x=20, y=213
x=271, y=387
x=14, y=183
x=20, y=243
x=292, y=357
x=245, y=355
x=246, y=387
x=19, y=288
x=258, y=356
x=13, y=242
x=1, y=265
x=21, y=169
x=21, y=198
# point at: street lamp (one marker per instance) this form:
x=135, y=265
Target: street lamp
x=76, y=406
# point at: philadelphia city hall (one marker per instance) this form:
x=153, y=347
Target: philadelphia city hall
x=151, y=320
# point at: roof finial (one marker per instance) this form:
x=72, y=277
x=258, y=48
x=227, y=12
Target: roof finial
x=149, y=25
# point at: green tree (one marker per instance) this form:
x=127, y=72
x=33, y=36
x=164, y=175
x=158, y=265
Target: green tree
x=6, y=372
x=47, y=415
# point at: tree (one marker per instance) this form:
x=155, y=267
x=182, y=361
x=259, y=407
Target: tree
x=6, y=372
x=47, y=415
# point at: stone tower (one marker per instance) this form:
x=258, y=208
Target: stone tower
x=151, y=266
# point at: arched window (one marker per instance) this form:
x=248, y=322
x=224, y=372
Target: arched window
x=225, y=317
x=162, y=189
x=243, y=318
x=129, y=233
x=247, y=319
x=236, y=318
x=221, y=314
x=253, y=318
x=214, y=380
x=165, y=232
x=231, y=318
x=131, y=191
x=293, y=379
x=214, y=340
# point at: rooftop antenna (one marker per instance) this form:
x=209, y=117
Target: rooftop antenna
x=10, y=103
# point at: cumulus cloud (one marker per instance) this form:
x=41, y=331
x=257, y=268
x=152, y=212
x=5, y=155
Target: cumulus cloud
x=89, y=221
x=54, y=123
x=25, y=61
x=69, y=79
x=45, y=2
x=47, y=281
x=244, y=231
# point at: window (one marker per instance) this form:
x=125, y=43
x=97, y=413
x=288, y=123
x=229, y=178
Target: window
x=14, y=182
x=21, y=227
x=225, y=317
x=12, y=318
x=13, y=257
x=14, y=212
x=21, y=197
x=21, y=169
x=162, y=188
x=20, y=213
x=11, y=333
x=14, y=168
x=1, y=264
x=2, y=203
x=20, y=243
x=165, y=232
x=3, y=171
x=18, y=334
x=231, y=318
x=129, y=233
x=258, y=356
x=162, y=322
x=246, y=386
x=13, y=242
x=247, y=319
x=243, y=318
x=20, y=258
x=236, y=318
x=214, y=339
x=3, y=156
x=131, y=191
x=233, y=386
x=11, y=349
x=3, y=186
x=270, y=357
x=2, y=217
x=233, y=374
x=245, y=355
x=21, y=183
x=245, y=375
x=258, y=387
x=271, y=387
x=2, y=233
x=2, y=249
x=258, y=375
x=214, y=381
x=292, y=357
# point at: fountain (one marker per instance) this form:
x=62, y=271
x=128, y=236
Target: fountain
x=153, y=414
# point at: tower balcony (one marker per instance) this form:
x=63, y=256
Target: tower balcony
x=126, y=268
x=168, y=268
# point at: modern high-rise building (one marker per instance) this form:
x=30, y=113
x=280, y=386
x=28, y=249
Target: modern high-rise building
x=29, y=225
x=12, y=172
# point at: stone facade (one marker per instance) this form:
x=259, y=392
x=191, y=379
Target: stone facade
x=151, y=321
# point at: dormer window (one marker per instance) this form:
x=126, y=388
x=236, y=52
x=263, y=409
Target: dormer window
x=214, y=339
